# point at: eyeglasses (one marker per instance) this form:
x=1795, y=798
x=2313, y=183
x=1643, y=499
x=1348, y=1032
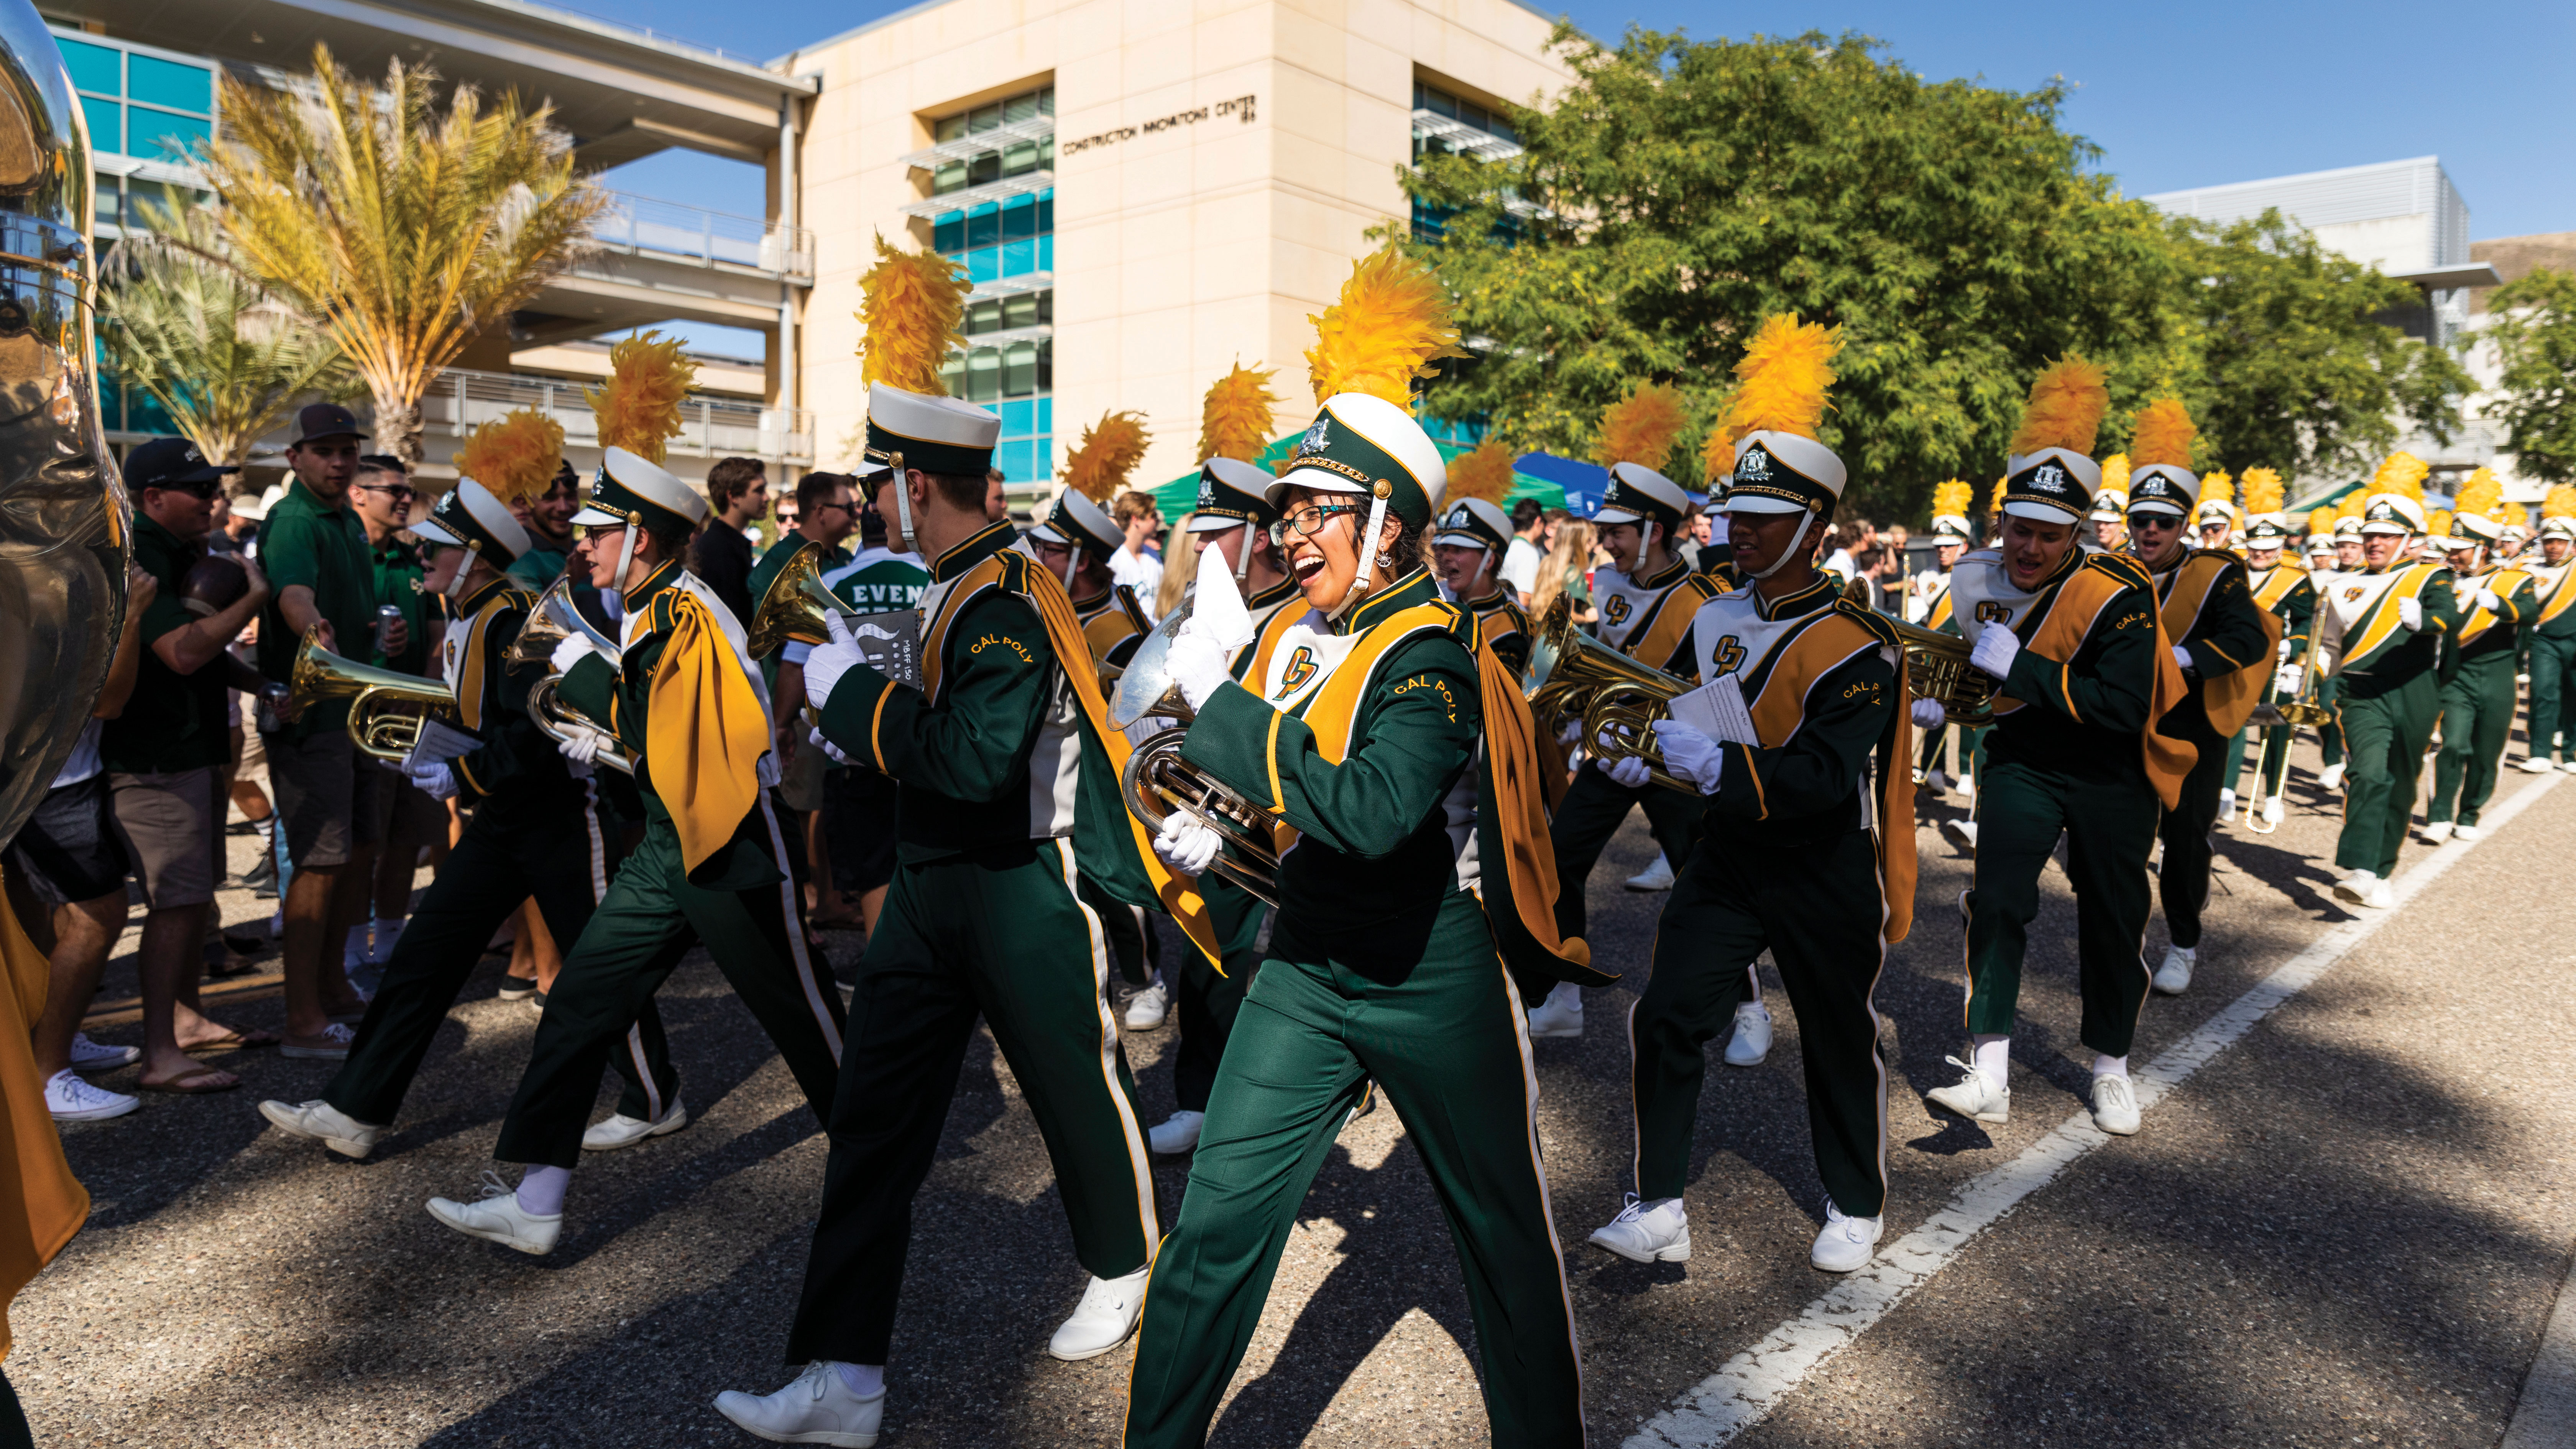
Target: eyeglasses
x=588, y=531
x=2138, y=521
x=399, y=492
x=1307, y=520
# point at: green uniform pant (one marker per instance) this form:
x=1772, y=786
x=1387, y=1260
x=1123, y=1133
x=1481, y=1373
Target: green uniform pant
x=1593, y=809
x=2109, y=820
x=1820, y=911
x=2183, y=879
x=1209, y=1000
x=2477, y=718
x=2553, y=696
x=2330, y=733
x=1002, y=933
x=565, y=863
x=2386, y=734
x=648, y=920
x=2272, y=767
x=1443, y=1037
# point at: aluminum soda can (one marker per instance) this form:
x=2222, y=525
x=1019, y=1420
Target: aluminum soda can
x=387, y=616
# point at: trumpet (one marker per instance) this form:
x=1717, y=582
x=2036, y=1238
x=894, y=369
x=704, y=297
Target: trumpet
x=385, y=708
x=551, y=620
x=1157, y=782
x=1936, y=667
x=794, y=608
x=1577, y=677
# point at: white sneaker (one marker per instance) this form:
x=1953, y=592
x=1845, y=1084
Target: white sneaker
x=1103, y=1319
x=2468, y=832
x=1974, y=1097
x=1179, y=1133
x=2274, y=812
x=818, y=1408
x=1847, y=1243
x=2115, y=1107
x=2382, y=896
x=2355, y=889
x=71, y=1099
x=325, y=1124
x=2173, y=978
x=2226, y=804
x=1642, y=1234
x=1961, y=833
x=498, y=1218
x=1147, y=1008
x=2435, y=832
x=89, y=1056
x=620, y=1130
x=330, y=1045
x=2536, y=765
x=1561, y=1015
x=1656, y=877
x=2330, y=778
x=1966, y=786
x=1937, y=780
x=1752, y=1039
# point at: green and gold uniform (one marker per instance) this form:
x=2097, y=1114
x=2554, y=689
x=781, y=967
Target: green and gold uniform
x=1504, y=626
x=2477, y=693
x=2285, y=592
x=1937, y=617
x=2551, y=631
x=1401, y=753
x=684, y=700
x=2208, y=611
x=2391, y=697
x=1809, y=854
x=1114, y=628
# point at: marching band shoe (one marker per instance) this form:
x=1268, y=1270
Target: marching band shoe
x=1178, y=1134
x=2330, y=778
x=2226, y=804
x=2435, y=832
x=2382, y=896
x=1937, y=781
x=1656, y=877
x=2274, y=812
x=1643, y=1234
x=1752, y=1039
x=1147, y=1008
x=2115, y=1107
x=1103, y=1319
x=498, y=1218
x=1974, y=1097
x=620, y=1130
x=1560, y=1015
x=1961, y=833
x=518, y=988
x=2468, y=832
x=1965, y=787
x=2173, y=978
x=2536, y=765
x=1847, y=1243
x=818, y=1408
x=2356, y=888
x=325, y=1124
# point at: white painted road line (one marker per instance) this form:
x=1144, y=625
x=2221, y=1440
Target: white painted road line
x=1741, y=1393
x=2546, y=1416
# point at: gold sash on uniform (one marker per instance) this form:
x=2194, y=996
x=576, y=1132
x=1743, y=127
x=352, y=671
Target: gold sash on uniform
x=2071, y=616
x=2230, y=698
x=706, y=734
x=41, y=1204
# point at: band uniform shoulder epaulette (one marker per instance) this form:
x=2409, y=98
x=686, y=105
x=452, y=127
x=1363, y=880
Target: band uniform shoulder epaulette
x=2121, y=567
x=1875, y=622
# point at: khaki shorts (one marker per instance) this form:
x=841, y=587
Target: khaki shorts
x=326, y=793
x=168, y=825
x=253, y=764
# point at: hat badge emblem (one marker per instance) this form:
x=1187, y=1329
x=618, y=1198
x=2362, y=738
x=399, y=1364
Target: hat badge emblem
x=2048, y=477
x=1756, y=463
x=1316, y=438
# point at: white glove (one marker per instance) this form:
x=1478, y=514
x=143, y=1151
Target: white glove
x=1184, y=844
x=1629, y=771
x=582, y=746
x=1217, y=610
x=2410, y=612
x=1996, y=648
x=1690, y=755
x=821, y=742
x=433, y=778
x=1929, y=715
x=825, y=666
x=1566, y=737
x=1197, y=663
x=574, y=649
x=2182, y=658
x=2283, y=653
x=2288, y=678
x=2488, y=601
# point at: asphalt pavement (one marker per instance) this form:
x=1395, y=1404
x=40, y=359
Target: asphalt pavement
x=2348, y=1223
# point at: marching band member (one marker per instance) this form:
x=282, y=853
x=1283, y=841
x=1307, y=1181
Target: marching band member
x=2552, y=723
x=1949, y=540
x=1400, y=749
x=2380, y=632
x=1078, y=537
x=2083, y=671
x=1467, y=552
x=2226, y=646
x=2106, y=523
x=2476, y=672
x=2281, y=588
x=1809, y=851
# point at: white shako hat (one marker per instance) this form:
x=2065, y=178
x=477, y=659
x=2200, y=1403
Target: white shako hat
x=1951, y=528
x=2348, y=526
x=2559, y=527
x=469, y=517
x=934, y=434
x=2109, y=506
x=2392, y=513
x=2163, y=488
x=1636, y=493
x=1361, y=443
x=2469, y=530
x=629, y=491
x=1231, y=494
x=1782, y=472
x=1475, y=523
x=2269, y=530
x=1076, y=521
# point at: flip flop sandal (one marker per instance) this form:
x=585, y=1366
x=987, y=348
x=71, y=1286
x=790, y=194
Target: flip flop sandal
x=178, y=1086
x=235, y=1040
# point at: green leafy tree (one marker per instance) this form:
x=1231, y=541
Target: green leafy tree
x=2535, y=337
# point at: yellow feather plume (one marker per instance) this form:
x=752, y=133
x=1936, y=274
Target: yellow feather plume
x=2067, y=400
x=2322, y=520
x=514, y=457
x=1952, y=497
x=910, y=304
x=1995, y=498
x=1391, y=323
x=2402, y=473
x=1640, y=428
x=2350, y=506
x=2561, y=503
x=2115, y=474
x=2439, y=524
x=2514, y=515
x=2164, y=435
x=1716, y=456
x=2218, y=488
x=1234, y=422
x=639, y=406
x=1783, y=378
x=2483, y=492
x=1484, y=473
x=2263, y=490
x=1110, y=450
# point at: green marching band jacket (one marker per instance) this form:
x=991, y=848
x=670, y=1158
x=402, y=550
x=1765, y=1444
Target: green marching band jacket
x=1394, y=747
x=2486, y=633
x=1504, y=626
x=2207, y=608
x=2292, y=595
x=2372, y=649
x=1649, y=620
x=516, y=772
x=1007, y=740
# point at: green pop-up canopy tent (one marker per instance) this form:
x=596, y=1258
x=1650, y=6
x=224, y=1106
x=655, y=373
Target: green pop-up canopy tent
x=1182, y=494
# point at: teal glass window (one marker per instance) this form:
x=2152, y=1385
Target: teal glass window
x=161, y=135
x=139, y=104
x=106, y=124
x=169, y=85
x=93, y=67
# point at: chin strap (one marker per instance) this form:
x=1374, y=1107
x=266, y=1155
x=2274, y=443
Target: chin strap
x=1365, y=545
x=626, y=549
x=456, y=586
x=1806, y=520
x=903, y=508
x=1243, y=556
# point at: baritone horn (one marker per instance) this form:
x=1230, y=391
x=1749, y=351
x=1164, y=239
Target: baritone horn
x=1936, y=667
x=552, y=619
x=795, y=607
x=1616, y=699
x=1157, y=782
x=385, y=708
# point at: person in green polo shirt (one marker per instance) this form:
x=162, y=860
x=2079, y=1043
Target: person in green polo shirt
x=315, y=552
x=408, y=821
x=548, y=520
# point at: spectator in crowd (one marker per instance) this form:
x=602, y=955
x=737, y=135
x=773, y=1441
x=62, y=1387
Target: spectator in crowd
x=786, y=523
x=738, y=491
x=163, y=753
x=1566, y=571
x=1529, y=546
x=1176, y=582
x=997, y=501
x=1136, y=564
x=219, y=526
x=548, y=520
x=314, y=550
x=248, y=779
x=408, y=822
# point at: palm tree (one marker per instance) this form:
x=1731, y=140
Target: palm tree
x=218, y=351
x=402, y=227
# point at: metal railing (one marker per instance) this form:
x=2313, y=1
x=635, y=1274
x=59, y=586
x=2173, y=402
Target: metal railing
x=710, y=427
x=648, y=224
